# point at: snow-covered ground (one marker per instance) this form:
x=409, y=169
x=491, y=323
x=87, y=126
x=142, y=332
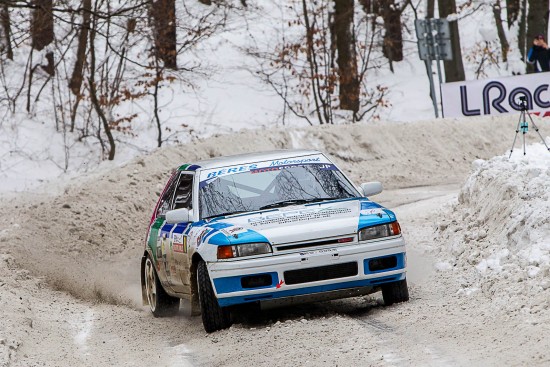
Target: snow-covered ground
x=498, y=235
x=478, y=259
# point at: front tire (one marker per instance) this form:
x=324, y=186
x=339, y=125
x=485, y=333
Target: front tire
x=395, y=292
x=214, y=317
x=160, y=303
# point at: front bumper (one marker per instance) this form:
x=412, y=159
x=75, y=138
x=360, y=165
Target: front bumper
x=346, y=267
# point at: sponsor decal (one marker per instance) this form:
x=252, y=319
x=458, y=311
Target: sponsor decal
x=297, y=216
x=288, y=162
x=179, y=242
x=233, y=231
x=323, y=166
x=159, y=249
x=208, y=175
x=181, y=247
x=280, y=284
x=228, y=171
x=316, y=252
x=377, y=211
x=201, y=236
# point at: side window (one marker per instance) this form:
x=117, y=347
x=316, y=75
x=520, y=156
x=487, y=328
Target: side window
x=164, y=205
x=184, y=190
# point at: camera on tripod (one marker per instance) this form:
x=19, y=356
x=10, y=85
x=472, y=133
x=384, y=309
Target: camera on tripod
x=523, y=102
x=523, y=125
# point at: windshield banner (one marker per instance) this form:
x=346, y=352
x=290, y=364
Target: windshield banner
x=272, y=165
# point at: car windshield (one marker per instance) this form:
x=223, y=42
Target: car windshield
x=272, y=187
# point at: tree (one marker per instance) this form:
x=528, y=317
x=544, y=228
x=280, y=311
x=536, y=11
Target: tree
x=390, y=11
x=454, y=69
x=163, y=14
x=537, y=19
x=75, y=84
x=42, y=31
x=94, y=93
x=512, y=11
x=522, y=14
x=504, y=45
x=344, y=35
x=76, y=78
x=5, y=31
x=393, y=38
x=430, y=9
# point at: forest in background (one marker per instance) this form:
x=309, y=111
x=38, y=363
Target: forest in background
x=98, y=70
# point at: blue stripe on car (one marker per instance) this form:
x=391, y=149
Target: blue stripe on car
x=250, y=236
x=233, y=284
x=400, y=263
x=229, y=301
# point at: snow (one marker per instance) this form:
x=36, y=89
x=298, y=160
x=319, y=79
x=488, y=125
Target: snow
x=498, y=235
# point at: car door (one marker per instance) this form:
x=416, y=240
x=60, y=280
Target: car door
x=157, y=240
x=178, y=259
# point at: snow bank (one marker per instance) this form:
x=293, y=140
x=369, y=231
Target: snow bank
x=498, y=235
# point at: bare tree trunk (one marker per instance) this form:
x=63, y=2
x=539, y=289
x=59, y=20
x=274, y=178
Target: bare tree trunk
x=313, y=68
x=42, y=32
x=454, y=69
x=76, y=78
x=430, y=9
x=393, y=38
x=158, y=79
x=347, y=58
x=512, y=11
x=163, y=13
x=504, y=45
x=522, y=28
x=536, y=23
x=93, y=93
x=42, y=24
x=537, y=18
x=5, y=43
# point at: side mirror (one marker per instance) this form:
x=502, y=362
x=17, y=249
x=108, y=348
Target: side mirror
x=182, y=215
x=371, y=188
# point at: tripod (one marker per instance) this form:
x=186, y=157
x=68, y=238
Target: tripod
x=524, y=127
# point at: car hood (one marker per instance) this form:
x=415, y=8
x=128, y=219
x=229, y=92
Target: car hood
x=300, y=223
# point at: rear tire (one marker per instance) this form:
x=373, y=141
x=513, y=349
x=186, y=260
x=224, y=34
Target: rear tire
x=214, y=317
x=395, y=292
x=160, y=303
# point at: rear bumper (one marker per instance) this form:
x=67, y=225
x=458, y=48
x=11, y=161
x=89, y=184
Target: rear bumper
x=227, y=277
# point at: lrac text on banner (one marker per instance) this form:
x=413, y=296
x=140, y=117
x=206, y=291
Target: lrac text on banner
x=496, y=95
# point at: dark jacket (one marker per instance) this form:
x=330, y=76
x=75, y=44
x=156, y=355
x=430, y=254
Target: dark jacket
x=539, y=56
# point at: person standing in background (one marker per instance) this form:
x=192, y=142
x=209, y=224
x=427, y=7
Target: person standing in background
x=539, y=54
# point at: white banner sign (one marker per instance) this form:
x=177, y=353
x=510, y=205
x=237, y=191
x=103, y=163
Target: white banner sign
x=498, y=95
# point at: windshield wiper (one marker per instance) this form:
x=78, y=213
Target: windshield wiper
x=225, y=214
x=293, y=201
x=314, y=200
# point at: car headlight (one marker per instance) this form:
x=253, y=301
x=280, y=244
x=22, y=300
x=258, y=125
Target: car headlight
x=245, y=249
x=383, y=230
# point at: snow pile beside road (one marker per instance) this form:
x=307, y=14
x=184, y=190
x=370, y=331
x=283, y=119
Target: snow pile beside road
x=498, y=235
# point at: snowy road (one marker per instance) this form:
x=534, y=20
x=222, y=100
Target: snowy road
x=438, y=327
x=478, y=272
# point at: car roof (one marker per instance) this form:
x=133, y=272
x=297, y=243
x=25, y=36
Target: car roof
x=238, y=159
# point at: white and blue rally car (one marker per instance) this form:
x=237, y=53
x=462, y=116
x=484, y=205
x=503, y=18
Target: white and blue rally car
x=268, y=229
